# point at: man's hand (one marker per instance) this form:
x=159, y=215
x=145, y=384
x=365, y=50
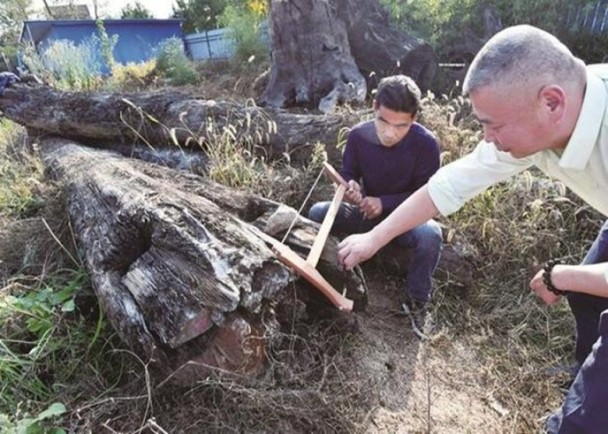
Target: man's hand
x=356, y=249
x=538, y=286
x=353, y=193
x=371, y=207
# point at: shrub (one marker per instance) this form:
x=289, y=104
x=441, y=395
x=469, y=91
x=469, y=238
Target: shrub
x=245, y=26
x=173, y=63
x=136, y=74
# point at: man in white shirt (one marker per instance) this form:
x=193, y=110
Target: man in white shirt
x=539, y=105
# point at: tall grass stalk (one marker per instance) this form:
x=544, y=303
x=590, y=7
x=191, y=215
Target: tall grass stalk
x=66, y=65
x=20, y=172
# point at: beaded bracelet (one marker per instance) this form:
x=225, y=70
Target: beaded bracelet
x=548, y=267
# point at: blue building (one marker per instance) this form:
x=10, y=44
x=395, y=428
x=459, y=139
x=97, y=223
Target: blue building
x=138, y=39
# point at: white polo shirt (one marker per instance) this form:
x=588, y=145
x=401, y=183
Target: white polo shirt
x=583, y=166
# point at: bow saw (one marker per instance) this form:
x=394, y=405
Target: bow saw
x=306, y=268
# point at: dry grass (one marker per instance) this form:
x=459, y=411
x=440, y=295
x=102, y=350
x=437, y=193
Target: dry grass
x=312, y=383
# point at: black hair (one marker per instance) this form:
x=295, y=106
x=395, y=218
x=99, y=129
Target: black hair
x=399, y=93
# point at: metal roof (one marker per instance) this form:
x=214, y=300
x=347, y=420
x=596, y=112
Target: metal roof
x=36, y=30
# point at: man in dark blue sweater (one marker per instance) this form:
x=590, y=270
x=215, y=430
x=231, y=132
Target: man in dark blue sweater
x=386, y=160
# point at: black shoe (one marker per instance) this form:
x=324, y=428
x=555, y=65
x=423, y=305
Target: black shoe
x=420, y=317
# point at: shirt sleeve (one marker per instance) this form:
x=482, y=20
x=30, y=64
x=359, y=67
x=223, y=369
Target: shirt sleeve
x=463, y=179
x=350, y=163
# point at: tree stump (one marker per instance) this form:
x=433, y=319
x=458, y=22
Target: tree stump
x=329, y=52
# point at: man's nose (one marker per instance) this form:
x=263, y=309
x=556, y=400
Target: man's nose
x=391, y=131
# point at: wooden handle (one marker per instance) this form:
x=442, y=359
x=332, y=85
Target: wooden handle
x=328, y=221
x=334, y=175
x=310, y=273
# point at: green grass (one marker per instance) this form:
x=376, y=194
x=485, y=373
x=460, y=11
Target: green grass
x=20, y=173
x=54, y=342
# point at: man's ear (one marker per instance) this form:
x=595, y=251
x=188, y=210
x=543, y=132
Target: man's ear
x=375, y=105
x=554, y=98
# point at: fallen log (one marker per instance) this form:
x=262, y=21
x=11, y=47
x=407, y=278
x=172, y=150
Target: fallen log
x=175, y=262
x=171, y=119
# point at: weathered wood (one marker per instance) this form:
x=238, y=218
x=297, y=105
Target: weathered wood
x=324, y=51
x=173, y=260
x=171, y=120
x=311, y=60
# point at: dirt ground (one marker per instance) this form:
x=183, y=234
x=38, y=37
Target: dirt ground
x=424, y=386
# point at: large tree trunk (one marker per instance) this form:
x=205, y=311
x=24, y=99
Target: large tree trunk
x=170, y=119
x=324, y=50
x=176, y=264
x=311, y=60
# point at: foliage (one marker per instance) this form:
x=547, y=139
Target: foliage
x=34, y=425
x=12, y=14
x=107, y=44
x=133, y=74
x=245, y=24
x=20, y=173
x=451, y=25
x=173, y=63
x=258, y=8
x=199, y=15
x=66, y=65
x=70, y=66
x=136, y=10
x=591, y=47
x=8, y=57
x=46, y=344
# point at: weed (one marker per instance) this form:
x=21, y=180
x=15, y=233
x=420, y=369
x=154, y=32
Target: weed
x=20, y=173
x=173, y=63
x=134, y=75
x=66, y=65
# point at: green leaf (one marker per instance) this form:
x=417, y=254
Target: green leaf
x=55, y=409
x=68, y=306
x=27, y=426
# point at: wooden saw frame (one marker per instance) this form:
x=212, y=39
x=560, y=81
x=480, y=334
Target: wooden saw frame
x=307, y=267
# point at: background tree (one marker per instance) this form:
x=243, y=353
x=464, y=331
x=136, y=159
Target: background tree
x=199, y=15
x=136, y=10
x=330, y=52
x=12, y=15
x=244, y=21
x=455, y=30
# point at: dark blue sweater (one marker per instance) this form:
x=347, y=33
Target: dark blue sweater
x=391, y=174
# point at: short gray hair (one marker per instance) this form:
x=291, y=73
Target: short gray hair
x=522, y=55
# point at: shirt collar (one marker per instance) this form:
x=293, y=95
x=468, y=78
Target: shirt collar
x=581, y=143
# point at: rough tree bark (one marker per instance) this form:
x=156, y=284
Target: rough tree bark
x=175, y=264
x=166, y=118
x=311, y=60
x=380, y=49
x=323, y=51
